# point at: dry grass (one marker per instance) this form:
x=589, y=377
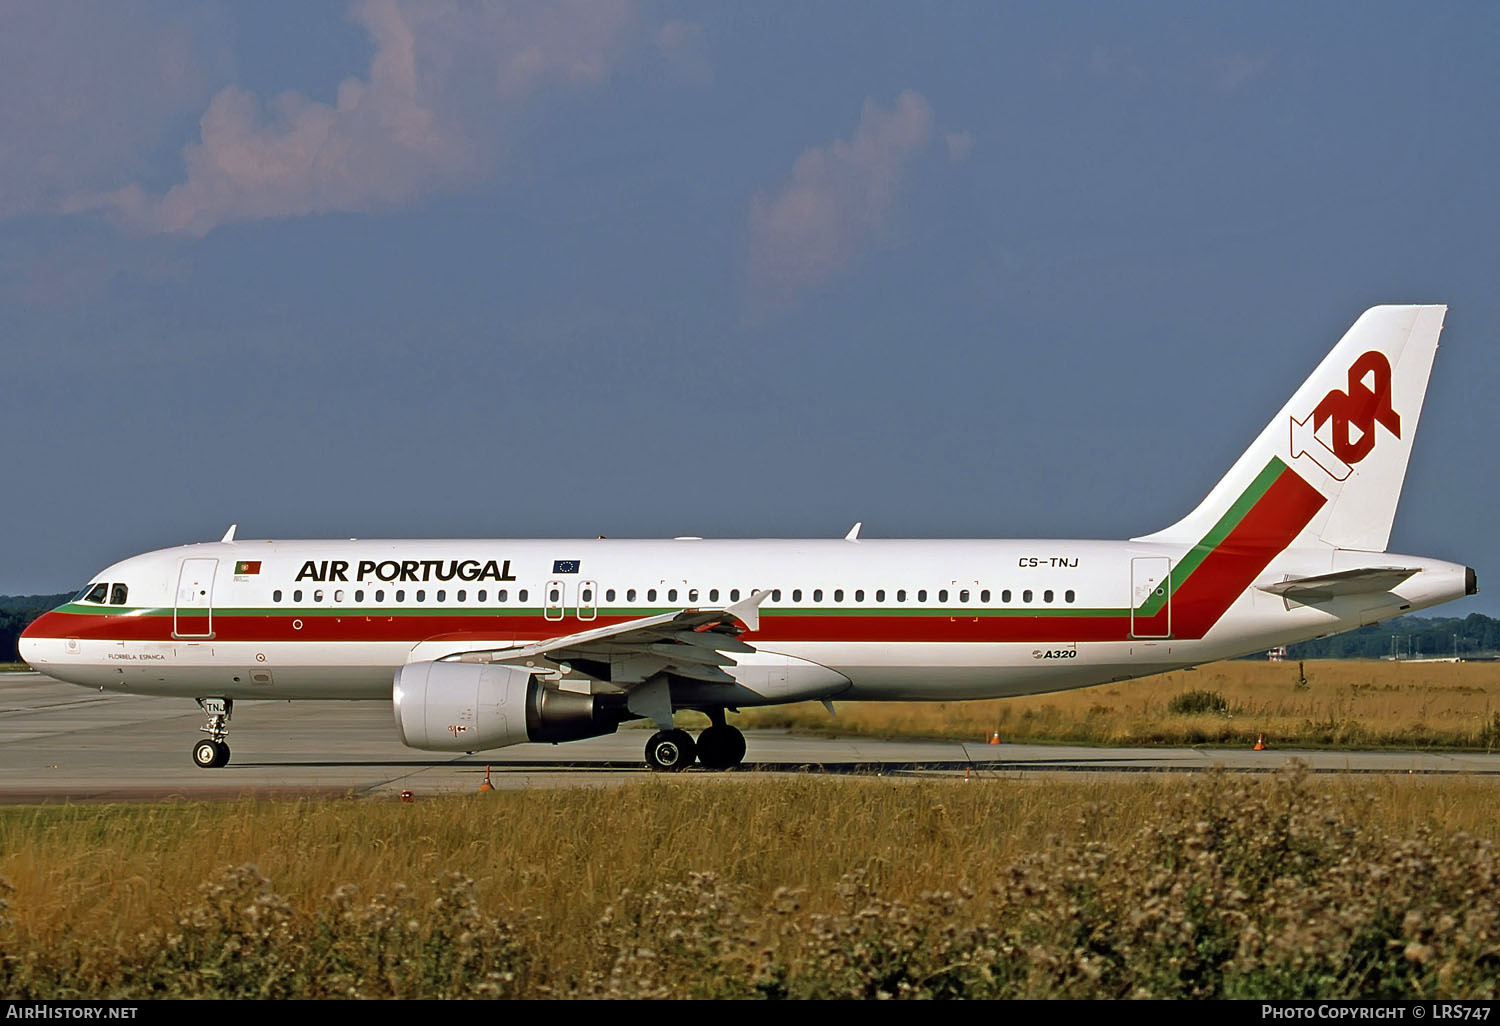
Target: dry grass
x=758, y=885
x=1344, y=704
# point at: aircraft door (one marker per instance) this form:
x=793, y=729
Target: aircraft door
x=554, y=599
x=1151, y=597
x=588, y=600
x=193, y=614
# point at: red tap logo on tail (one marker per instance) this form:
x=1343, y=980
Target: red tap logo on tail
x=1367, y=403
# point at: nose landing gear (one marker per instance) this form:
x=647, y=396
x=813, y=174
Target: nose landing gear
x=212, y=752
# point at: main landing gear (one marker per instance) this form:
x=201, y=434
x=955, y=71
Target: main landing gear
x=212, y=752
x=720, y=747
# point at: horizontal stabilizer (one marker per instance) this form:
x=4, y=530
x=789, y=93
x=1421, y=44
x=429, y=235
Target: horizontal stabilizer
x=1370, y=580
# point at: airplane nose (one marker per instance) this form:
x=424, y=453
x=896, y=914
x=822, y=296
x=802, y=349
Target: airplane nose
x=29, y=644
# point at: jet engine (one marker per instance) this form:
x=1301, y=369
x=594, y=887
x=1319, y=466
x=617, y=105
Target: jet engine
x=466, y=707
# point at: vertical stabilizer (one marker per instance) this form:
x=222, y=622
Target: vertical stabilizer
x=1347, y=432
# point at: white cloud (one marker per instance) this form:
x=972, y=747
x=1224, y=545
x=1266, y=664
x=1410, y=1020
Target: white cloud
x=1234, y=71
x=682, y=46
x=425, y=117
x=87, y=90
x=960, y=145
x=835, y=203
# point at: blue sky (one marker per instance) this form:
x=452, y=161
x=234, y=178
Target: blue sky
x=649, y=269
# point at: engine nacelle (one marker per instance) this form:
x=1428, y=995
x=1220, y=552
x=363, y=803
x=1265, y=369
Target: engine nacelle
x=466, y=707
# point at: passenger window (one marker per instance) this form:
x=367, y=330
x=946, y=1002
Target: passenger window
x=859, y=595
x=421, y=594
x=98, y=593
x=776, y=595
x=943, y=595
x=521, y=595
x=880, y=595
x=692, y=594
x=671, y=594
x=609, y=596
x=1047, y=595
x=963, y=596
x=317, y=594
x=462, y=594
x=630, y=595
x=922, y=595
x=276, y=595
x=359, y=595
x=1026, y=595
x=501, y=595
x=1068, y=595
x=380, y=595
x=838, y=594
x=338, y=596
x=650, y=594
x=1005, y=595
x=817, y=594
x=588, y=595
x=297, y=595
x=984, y=596
x=796, y=594
x=713, y=594
x=442, y=593
x=400, y=594
x=553, y=595
x=117, y=595
x=482, y=593
x=734, y=594
x=901, y=595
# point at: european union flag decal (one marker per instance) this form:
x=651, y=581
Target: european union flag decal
x=565, y=566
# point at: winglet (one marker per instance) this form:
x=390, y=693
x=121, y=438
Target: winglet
x=853, y=534
x=229, y=534
x=747, y=610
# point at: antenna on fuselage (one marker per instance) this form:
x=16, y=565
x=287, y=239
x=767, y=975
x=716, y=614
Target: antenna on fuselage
x=853, y=534
x=229, y=534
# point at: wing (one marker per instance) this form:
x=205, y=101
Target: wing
x=1367, y=580
x=695, y=643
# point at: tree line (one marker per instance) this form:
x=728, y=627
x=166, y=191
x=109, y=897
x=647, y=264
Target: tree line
x=1409, y=637
x=16, y=611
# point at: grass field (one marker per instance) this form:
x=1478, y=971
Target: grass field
x=1156, y=885
x=1342, y=704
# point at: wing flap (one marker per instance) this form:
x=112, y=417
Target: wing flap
x=696, y=643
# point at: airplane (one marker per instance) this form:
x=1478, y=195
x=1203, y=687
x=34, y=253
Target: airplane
x=480, y=644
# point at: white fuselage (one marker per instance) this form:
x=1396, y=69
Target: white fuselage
x=890, y=619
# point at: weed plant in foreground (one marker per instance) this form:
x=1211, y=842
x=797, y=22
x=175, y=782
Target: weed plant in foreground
x=1156, y=886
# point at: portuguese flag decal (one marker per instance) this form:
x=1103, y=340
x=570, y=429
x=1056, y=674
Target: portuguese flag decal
x=246, y=568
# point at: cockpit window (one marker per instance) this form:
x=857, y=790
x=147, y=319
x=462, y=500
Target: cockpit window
x=117, y=593
x=98, y=593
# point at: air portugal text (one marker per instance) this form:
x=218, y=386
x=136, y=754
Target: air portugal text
x=329, y=570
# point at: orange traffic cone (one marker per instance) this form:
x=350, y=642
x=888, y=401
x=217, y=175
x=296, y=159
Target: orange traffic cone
x=1260, y=743
x=966, y=772
x=995, y=738
x=485, y=784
